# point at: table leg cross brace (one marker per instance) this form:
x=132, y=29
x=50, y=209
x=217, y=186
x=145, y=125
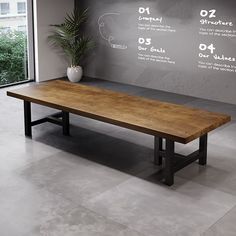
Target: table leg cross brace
x=60, y=118
x=174, y=162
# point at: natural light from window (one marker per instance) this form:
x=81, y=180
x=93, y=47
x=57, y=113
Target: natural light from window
x=14, y=38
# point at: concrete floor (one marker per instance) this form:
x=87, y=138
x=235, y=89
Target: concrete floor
x=101, y=181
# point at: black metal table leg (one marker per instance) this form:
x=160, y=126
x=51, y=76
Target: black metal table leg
x=169, y=165
x=158, y=146
x=203, y=150
x=27, y=118
x=175, y=161
x=66, y=123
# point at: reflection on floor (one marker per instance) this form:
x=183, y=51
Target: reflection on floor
x=102, y=181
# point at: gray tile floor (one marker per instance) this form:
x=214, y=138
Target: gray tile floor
x=102, y=181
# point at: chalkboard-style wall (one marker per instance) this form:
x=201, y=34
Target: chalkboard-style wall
x=182, y=46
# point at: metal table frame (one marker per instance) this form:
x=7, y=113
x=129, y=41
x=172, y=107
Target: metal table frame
x=172, y=163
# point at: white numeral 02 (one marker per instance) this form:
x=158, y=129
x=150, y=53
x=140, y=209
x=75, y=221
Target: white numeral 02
x=210, y=13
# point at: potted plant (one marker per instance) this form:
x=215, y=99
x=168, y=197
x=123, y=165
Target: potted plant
x=73, y=43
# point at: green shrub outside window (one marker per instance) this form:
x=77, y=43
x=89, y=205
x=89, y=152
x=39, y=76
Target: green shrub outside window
x=13, y=57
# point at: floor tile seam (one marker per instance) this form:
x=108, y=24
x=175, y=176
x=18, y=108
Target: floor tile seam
x=189, y=104
x=103, y=216
x=210, y=100
x=217, y=221
x=83, y=202
x=112, y=220
x=118, y=132
x=137, y=177
x=92, y=162
x=73, y=124
x=21, y=168
x=206, y=186
x=121, y=183
x=145, y=89
x=79, y=205
x=118, y=137
x=107, y=190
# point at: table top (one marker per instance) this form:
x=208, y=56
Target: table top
x=175, y=122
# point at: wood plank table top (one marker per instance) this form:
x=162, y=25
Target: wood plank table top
x=175, y=122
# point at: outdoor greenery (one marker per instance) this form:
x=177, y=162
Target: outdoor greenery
x=67, y=36
x=13, y=57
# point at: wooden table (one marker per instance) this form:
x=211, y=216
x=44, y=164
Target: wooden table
x=174, y=123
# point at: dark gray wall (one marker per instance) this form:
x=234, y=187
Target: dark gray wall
x=48, y=64
x=176, y=32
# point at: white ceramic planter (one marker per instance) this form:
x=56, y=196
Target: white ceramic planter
x=74, y=74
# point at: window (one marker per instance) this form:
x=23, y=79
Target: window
x=22, y=28
x=5, y=29
x=16, y=42
x=21, y=7
x=4, y=8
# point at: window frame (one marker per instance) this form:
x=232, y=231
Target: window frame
x=31, y=42
x=30, y=45
x=7, y=11
x=23, y=10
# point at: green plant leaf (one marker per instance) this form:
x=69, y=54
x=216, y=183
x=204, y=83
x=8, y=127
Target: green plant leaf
x=68, y=37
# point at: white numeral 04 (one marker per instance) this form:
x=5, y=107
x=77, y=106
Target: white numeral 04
x=204, y=47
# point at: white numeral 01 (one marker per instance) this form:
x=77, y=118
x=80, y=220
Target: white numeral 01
x=147, y=41
x=204, y=47
x=210, y=13
x=143, y=10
